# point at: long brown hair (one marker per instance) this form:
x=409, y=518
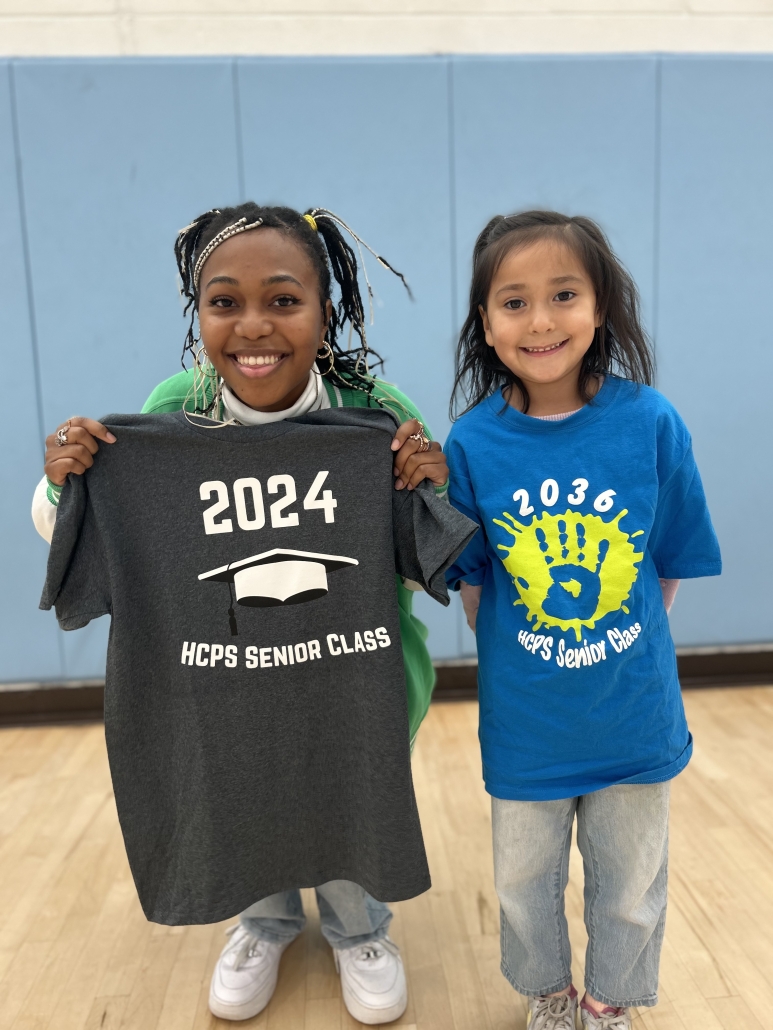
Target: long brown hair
x=620, y=344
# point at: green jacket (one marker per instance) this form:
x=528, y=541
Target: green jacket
x=176, y=393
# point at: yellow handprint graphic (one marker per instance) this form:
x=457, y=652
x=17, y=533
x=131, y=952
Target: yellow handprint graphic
x=570, y=570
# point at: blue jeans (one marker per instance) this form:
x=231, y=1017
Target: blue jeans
x=622, y=834
x=348, y=915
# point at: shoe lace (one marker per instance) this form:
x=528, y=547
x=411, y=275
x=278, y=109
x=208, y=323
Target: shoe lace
x=611, y=1020
x=250, y=946
x=553, y=1011
x=372, y=949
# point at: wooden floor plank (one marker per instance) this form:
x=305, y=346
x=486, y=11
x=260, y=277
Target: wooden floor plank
x=106, y=1014
x=468, y=1005
x=506, y=1009
x=424, y=966
x=66, y=982
x=189, y=973
x=693, y=1009
x=76, y=952
x=735, y=1014
x=146, y=1000
x=323, y=1014
x=20, y=977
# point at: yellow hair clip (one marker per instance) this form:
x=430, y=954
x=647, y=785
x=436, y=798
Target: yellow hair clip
x=312, y=221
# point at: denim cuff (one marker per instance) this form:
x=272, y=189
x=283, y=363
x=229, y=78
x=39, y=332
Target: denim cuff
x=562, y=984
x=648, y=1002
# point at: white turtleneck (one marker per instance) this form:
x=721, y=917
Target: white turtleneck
x=313, y=398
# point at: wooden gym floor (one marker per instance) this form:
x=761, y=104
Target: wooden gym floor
x=77, y=954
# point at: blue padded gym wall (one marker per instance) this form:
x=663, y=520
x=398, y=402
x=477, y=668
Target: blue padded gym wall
x=102, y=161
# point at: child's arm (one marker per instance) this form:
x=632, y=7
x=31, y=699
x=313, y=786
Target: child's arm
x=470, y=602
x=669, y=588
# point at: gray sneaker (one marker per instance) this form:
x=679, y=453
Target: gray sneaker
x=609, y=1019
x=553, y=1012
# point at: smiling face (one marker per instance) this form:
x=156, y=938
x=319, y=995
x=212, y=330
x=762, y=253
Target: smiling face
x=540, y=316
x=261, y=317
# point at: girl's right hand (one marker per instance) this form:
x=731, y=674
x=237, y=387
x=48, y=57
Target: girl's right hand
x=77, y=454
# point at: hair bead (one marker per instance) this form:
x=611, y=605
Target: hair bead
x=222, y=236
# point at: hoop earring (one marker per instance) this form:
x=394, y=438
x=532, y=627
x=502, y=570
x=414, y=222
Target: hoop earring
x=327, y=352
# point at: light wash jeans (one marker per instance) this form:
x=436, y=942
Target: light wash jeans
x=622, y=834
x=348, y=915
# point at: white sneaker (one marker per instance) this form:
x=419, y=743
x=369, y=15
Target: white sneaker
x=552, y=1012
x=373, y=981
x=609, y=1019
x=245, y=975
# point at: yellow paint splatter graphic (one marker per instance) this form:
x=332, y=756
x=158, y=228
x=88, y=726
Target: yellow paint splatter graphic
x=570, y=570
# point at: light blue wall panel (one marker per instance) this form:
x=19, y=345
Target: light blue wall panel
x=714, y=335
x=117, y=156
x=28, y=637
x=575, y=134
x=369, y=140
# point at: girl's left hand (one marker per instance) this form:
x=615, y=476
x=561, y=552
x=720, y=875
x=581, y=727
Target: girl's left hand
x=412, y=465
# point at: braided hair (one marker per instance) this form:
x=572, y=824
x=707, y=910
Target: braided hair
x=318, y=232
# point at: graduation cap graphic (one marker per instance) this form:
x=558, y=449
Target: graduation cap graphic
x=277, y=577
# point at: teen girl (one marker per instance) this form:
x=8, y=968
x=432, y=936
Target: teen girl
x=259, y=281
x=583, y=480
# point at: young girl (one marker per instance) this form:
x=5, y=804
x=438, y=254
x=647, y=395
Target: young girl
x=583, y=480
x=259, y=281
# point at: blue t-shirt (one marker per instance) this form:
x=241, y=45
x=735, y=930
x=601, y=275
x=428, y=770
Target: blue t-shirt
x=577, y=671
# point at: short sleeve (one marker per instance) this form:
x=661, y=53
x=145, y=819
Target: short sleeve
x=77, y=580
x=682, y=541
x=470, y=566
x=429, y=536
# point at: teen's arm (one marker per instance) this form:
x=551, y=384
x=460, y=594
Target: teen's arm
x=45, y=501
x=74, y=456
x=412, y=464
x=167, y=396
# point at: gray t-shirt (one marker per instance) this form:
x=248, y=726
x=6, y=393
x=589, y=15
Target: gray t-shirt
x=255, y=707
